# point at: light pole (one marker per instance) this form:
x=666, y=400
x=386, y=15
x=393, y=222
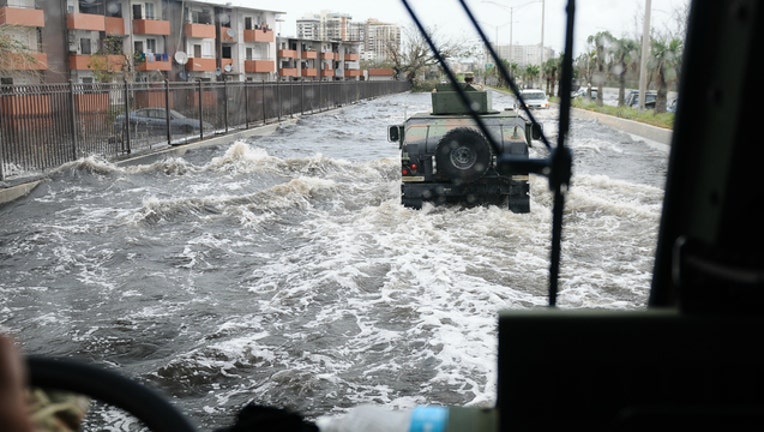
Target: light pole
x=511, y=20
x=643, y=60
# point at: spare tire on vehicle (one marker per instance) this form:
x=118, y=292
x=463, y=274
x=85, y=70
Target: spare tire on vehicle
x=463, y=154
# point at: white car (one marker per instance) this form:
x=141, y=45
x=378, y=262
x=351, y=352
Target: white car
x=534, y=98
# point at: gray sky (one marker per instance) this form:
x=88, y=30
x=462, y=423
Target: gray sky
x=619, y=17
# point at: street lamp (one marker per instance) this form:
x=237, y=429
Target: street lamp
x=511, y=18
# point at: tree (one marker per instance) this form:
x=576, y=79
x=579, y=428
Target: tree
x=602, y=42
x=550, y=68
x=413, y=57
x=626, y=52
x=664, y=54
x=14, y=55
x=530, y=74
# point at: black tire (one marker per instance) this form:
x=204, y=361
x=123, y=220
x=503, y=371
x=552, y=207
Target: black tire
x=146, y=404
x=463, y=155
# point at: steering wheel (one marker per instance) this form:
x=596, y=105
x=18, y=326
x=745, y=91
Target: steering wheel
x=146, y=404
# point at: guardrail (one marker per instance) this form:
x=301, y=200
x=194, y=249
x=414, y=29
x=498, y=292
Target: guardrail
x=44, y=126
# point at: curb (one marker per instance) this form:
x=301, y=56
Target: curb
x=650, y=132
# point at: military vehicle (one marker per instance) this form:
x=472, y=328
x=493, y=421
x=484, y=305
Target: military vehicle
x=446, y=158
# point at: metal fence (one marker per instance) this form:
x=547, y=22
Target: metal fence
x=45, y=126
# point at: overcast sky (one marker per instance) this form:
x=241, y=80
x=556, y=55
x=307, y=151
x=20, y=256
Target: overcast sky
x=619, y=17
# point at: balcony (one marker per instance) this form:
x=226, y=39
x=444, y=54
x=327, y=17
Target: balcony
x=115, y=26
x=309, y=55
x=288, y=72
x=309, y=72
x=153, y=27
x=27, y=61
x=199, y=31
x=197, y=64
x=352, y=57
x=352, y=72
x=226, y=64
x=329, y=56
x=286, y=53
x=261, y=35
x=225, y=35
x=154, y=62
x=81, y=21
x=106, y=63
x=22, y=17
x=259, y=66
x=327, y=73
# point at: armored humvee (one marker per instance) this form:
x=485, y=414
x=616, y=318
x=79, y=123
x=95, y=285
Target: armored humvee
x=445, y=158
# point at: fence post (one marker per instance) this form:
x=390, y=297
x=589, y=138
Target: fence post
x=263, y=98
x=73, y=117
x=246, y=105
x=126, y=142
x=225, y=104
x=167, y=110
x=201, y=120
x=278, y=91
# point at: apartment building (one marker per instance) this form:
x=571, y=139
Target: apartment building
x=311, y=59
x=89, y=41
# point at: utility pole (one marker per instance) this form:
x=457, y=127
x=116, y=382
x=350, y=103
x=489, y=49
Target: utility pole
x=645, y=50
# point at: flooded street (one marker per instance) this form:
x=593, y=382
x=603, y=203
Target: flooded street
x=283, y=269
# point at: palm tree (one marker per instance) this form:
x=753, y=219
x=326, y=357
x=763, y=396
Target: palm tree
x=550, y=68
x=626, y=52
x=664, y=55
x=531, y=73
x=602, y=42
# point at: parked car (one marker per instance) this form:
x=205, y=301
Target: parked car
x=632, y=99
x=534, y=98
x=584, y=93
x=671, y=107
x=152, y=120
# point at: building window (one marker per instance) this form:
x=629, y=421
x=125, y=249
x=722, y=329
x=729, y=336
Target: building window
x=150, y=11
x=151, y=45
x=85, y=46
x=137, y=11
x=138, y=46
x=6, y=81
x=197, y=51
x=248, y=23
x=249, y=54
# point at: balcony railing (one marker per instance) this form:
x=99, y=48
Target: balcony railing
x=108, y=63
x=258, y=35
x=81, y=21
x=284, y=53
x=309, y=72
x=27, y=61
x=154, y=62
x=309, y=55
x=115, y=26
x=22, y=16
x=259, y=66
x=200, y=30
x=197, y=64
x=152, y=27
x=288, y=72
